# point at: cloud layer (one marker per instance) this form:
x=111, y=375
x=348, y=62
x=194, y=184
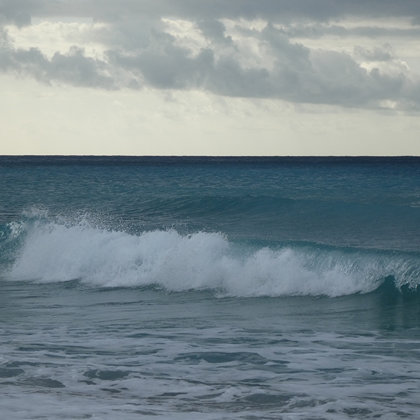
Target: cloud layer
x=240, y=48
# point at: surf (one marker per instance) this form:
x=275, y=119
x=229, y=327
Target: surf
x=45, y=250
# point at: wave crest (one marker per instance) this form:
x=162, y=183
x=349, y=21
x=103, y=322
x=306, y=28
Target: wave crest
x=55, y=252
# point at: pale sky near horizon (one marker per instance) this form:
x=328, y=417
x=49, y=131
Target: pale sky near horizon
x=210, y=77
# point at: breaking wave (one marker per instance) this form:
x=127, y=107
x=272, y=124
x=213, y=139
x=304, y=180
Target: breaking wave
x=45, y=250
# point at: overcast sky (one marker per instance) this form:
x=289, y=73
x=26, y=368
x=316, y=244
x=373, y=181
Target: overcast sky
x=210, y=77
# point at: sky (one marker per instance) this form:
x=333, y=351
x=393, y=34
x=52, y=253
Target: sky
x=210, y=77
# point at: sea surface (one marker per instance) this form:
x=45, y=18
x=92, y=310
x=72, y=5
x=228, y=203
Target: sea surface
x=209, y=288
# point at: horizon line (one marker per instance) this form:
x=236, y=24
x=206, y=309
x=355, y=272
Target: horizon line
x=199, y=156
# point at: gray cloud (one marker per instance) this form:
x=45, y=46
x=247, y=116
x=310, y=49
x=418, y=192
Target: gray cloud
x=376, y=54
x=299, y=74
x=19, y=12
x=320, y=10
x=140, y=52
x=73, y=68
x=317, y=30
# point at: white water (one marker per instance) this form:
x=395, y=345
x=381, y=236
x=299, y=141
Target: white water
x=54, y=252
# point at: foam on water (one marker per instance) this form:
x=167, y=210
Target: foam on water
x=53, y=251
x=88, y=349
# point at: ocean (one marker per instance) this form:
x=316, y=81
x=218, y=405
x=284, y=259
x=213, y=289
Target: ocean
x=209, y=288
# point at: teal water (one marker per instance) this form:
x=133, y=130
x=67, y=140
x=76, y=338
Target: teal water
x=209, y=287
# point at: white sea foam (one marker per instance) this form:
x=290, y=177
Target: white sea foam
x=54, y=252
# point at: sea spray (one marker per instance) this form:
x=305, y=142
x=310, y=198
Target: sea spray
x=272, y=259
x=54, y=252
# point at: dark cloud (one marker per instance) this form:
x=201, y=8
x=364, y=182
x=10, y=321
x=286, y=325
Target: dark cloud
x=374, y=54
x=298, y=74
x=72, y=68
x=18, y=12
x=319, y=10
x=214, y=30
x=141, y=53
x=317, y=30
x=4, y=39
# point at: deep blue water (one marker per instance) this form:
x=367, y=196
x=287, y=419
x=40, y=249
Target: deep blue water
x=209, y=287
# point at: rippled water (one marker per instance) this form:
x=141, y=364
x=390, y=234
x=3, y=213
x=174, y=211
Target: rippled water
x=74, y=352
x=209, y=289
